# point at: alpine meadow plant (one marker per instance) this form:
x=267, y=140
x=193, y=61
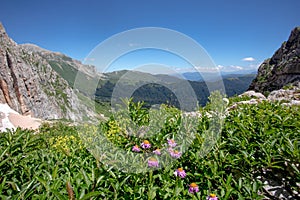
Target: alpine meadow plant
x=136, y=148
x=172, y=143
x=212, y=197
x=146, y=144
x=152, y=162
x=257, y=143
x=175, y=153
x=180, y=173
x=193, y=188
x=157, y=152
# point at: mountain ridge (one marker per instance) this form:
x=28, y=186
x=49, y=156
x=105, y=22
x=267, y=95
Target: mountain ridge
x=67, y=74
x=282, y=68
x=130, y=78
x=29, y=85
x=164, y=93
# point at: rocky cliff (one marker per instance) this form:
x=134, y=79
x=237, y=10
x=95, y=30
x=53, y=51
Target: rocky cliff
x=73, y=71
x=282, y=69
x=29, y=85
x=57, y=58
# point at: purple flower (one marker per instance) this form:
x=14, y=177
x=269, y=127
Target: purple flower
x=175, y=153
x=212, y=197
x=157, y=152
x=146, y=144
x=180, y=172
x=193, y=188
x=152, y=162
x=136, y=148
x=172, y=143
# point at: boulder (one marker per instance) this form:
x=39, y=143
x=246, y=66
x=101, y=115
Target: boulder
x=253, y=94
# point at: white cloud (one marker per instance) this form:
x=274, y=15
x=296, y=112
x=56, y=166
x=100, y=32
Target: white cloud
x=238, y=67
x=196, y=69
x=219, y=68
x=248, y=59
x=207, y=69
x=133, y=44
x=229, y=68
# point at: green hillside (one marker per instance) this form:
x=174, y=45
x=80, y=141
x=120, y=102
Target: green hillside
x=154, y=93
x=100, y=88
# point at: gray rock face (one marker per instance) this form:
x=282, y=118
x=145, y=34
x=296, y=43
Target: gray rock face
x=30, y=86
x=282, y=69
x=292, y=94
x=62, y=59
x=287, y=97
x=84, y=78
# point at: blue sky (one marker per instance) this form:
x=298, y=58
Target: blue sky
x=229, y=30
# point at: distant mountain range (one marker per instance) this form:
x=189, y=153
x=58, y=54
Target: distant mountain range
x=51, y=85
x=198, y=76
x=155, y=93
x=86, y=75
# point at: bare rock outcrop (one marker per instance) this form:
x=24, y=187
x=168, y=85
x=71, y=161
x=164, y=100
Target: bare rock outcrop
x=291, y=94
x=30, y=86
x=253, y=94
x=282, y=69
x=287, y=97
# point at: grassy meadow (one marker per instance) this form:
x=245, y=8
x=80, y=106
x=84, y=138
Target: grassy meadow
x=59, y=161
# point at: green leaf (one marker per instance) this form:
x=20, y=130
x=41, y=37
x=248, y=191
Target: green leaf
x=91, y=194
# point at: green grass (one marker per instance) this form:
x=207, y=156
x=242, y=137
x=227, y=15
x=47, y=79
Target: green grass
x=254, y=139
x=66, y=71
x=100, y=107
x=76, y=79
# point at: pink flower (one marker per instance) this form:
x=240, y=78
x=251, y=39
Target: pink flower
x=152, y=162
x=146, y=144
x=172, y=143
x=157, y=152
x=180, y=172
x=136, y=148
x=175, y=153
x=212, y=197
x=193, y=188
